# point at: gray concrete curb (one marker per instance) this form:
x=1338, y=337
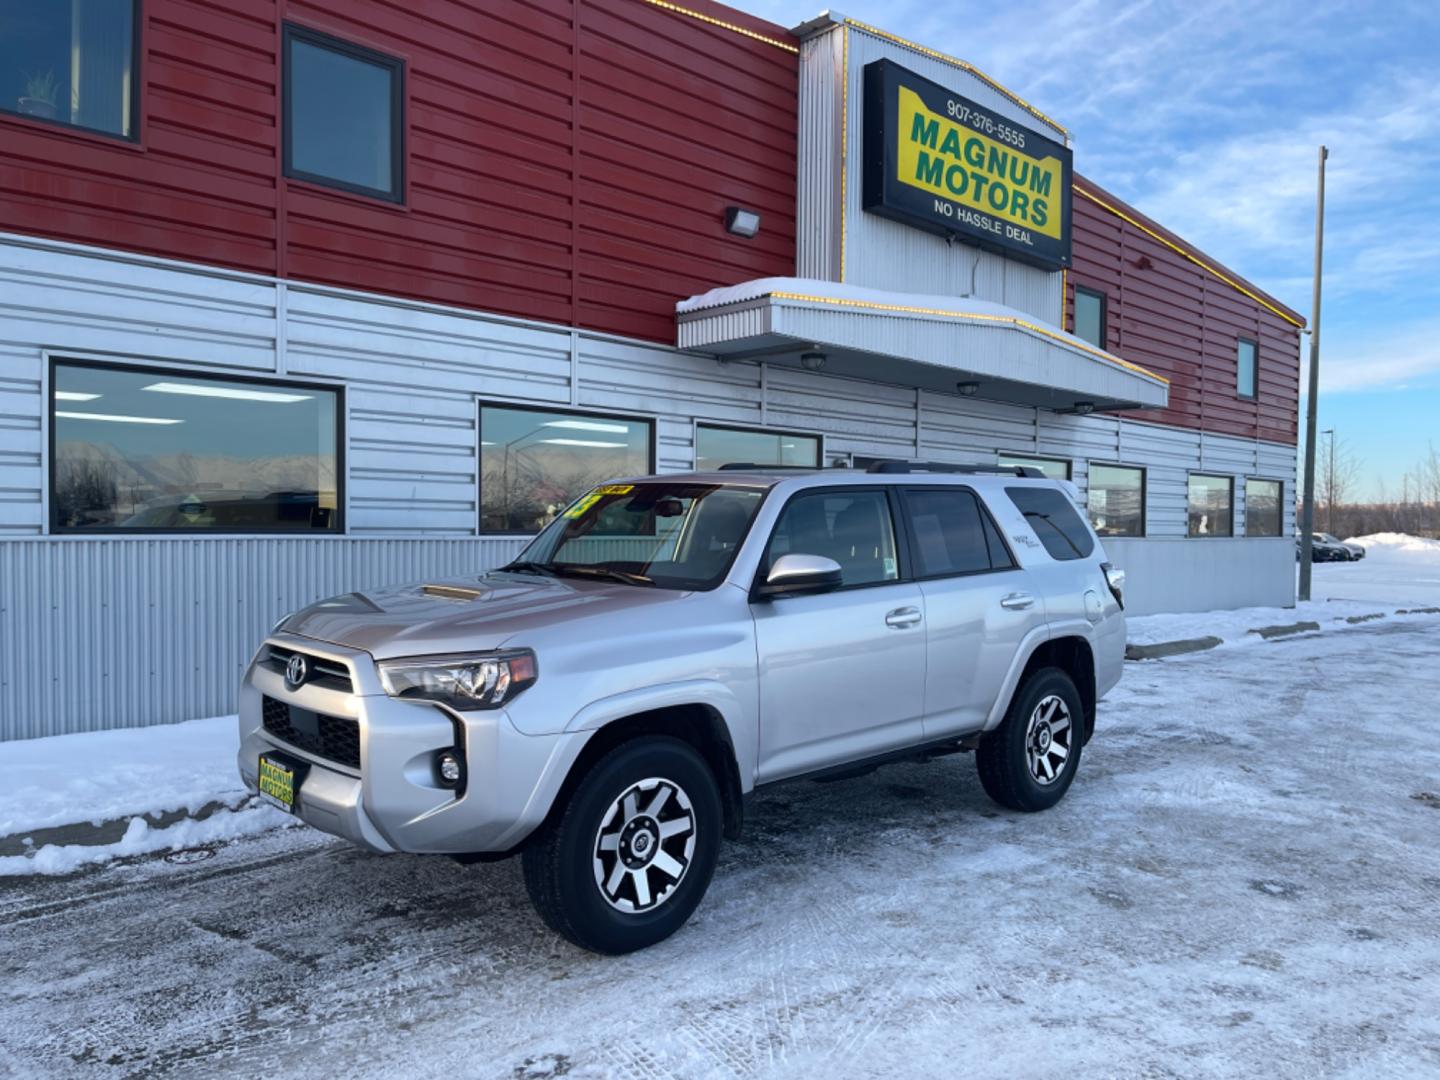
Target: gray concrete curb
x=1159, y=650
x=93, y=834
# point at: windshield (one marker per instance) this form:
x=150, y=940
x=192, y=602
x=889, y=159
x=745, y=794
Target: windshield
x=661, y=533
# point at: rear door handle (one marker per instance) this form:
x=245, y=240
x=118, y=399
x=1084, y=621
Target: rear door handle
x=1017, y=601
x=902, y=617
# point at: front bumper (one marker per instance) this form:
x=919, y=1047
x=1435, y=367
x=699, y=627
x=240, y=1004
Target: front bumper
x=393, y=801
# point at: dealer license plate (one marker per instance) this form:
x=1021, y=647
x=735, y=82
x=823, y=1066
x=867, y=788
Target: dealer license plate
x=280, y=781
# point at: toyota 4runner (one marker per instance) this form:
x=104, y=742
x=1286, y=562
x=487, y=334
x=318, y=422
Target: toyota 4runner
x=604, y=704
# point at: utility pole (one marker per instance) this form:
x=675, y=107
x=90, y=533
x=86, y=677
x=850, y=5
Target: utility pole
x=1307, y=512
x=1329, y=433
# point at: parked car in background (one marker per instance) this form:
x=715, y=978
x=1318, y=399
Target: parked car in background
x=1325, y=548
x=603, y=704
x=1354, y=552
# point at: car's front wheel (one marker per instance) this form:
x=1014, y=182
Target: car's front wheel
x=626, y=860
x=1029, y=761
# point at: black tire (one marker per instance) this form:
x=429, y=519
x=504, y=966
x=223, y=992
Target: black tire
x=560, y=862
x=1003, y=757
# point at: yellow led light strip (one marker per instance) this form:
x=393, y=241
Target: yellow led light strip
x=1197, y=261
x=963, y=66
x=1009, y=320
x=732, y=27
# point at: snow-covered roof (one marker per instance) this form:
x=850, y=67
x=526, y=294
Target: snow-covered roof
x=1022, y=359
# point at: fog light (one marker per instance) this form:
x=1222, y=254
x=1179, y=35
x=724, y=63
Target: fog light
x=448, y=765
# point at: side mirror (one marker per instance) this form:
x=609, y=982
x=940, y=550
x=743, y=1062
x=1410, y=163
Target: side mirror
x=797, y=575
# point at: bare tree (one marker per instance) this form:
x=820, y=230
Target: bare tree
x=1339, y=471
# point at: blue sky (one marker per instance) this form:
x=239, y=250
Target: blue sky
x=1207, y=116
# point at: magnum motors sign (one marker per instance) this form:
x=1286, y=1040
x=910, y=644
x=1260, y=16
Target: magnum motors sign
x=938, y=161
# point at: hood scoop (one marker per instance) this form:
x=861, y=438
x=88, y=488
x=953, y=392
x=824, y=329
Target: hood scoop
x=452, y=592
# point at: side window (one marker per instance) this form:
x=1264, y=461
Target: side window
x=1055, y=521
x=851, y=527
x=953, y=534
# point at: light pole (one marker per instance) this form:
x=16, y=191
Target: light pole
x=1307, y=512
x=1330, y=483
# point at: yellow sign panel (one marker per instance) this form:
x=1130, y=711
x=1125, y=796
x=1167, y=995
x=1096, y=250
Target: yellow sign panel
x=614, y=489
x=943, y=157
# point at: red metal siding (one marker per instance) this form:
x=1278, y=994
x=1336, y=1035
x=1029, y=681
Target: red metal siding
x=1182, y=321
x=567, y=160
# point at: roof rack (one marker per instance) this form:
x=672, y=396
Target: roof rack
x=898, y=466
x=750, y=466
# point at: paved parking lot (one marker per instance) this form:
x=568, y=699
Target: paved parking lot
x=1243, y=881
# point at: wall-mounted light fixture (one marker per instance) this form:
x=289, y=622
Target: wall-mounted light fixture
x=741, y=222
x=812, y=361
x=1084, y=408
x=967, y=389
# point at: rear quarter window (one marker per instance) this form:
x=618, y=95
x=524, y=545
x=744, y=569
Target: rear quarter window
x=1055, y=520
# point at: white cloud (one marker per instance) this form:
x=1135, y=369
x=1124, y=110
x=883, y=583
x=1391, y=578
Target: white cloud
x=1376, y=358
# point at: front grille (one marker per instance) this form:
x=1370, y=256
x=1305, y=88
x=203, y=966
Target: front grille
x=335, y=738
x=330, y=674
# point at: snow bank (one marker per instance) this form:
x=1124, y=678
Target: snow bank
x=141, y=839
x=1399, y=547
x=105, y=775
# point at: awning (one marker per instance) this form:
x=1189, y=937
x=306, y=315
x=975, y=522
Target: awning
x=932, y=342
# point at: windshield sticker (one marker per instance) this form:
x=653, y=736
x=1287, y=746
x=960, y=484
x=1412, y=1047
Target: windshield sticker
x=889, y=567
x=583, y=504
x=614, y=489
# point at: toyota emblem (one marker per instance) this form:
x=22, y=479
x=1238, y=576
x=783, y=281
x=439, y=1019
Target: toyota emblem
x=296, y=672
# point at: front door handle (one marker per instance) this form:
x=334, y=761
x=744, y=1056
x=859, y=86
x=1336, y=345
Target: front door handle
x=902, y=617
x=1017, y=601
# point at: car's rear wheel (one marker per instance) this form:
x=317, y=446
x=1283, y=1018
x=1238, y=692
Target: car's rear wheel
x=1029, y=761
x=624, y=863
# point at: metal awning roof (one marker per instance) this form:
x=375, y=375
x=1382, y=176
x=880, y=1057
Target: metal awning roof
x=931, y=342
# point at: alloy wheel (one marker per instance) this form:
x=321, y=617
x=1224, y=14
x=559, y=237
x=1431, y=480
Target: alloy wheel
x=1048, y=739
x=644, y=845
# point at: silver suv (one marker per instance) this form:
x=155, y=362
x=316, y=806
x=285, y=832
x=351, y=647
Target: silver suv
x=604, y=704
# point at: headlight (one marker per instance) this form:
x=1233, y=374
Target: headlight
x=462, y=682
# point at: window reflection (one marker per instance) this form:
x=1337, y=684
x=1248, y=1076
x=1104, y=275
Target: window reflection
x=1262, y=507
x=716, y=446
x=1115, y=500
x=535, y=463
x=1212, y=505
x=162, y=450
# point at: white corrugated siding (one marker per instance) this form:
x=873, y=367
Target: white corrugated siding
x=111, y=632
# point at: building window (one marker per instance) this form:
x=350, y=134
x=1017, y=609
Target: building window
x=344, y=115
x=1054, y=468
x=716, y=446
x=1263, y=507
x=70, y=63
x=1090, y=316
x=1115, y=500
x=535, y=462
x=1212, y=505
x=1246, y=368
x=139, y=449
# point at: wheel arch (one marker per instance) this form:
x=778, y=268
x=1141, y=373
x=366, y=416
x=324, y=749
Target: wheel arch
x=1073, y=655
x=699, y=724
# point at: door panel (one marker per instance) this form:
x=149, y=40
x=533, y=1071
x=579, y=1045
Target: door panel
x=972, y=635
x=842, y=674
x=979, y=606
x=836, y=682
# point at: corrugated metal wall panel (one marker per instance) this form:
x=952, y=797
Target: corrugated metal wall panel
x=817, y=231
x=118, y=632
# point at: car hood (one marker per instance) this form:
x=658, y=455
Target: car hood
x=469, y=614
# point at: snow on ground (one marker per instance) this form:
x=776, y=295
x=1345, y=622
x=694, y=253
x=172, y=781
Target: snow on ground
x=105, y=776
x=1397, y=569
x=1242, y=882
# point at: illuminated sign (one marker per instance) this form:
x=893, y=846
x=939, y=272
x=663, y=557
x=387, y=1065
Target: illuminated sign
x=941, y=162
